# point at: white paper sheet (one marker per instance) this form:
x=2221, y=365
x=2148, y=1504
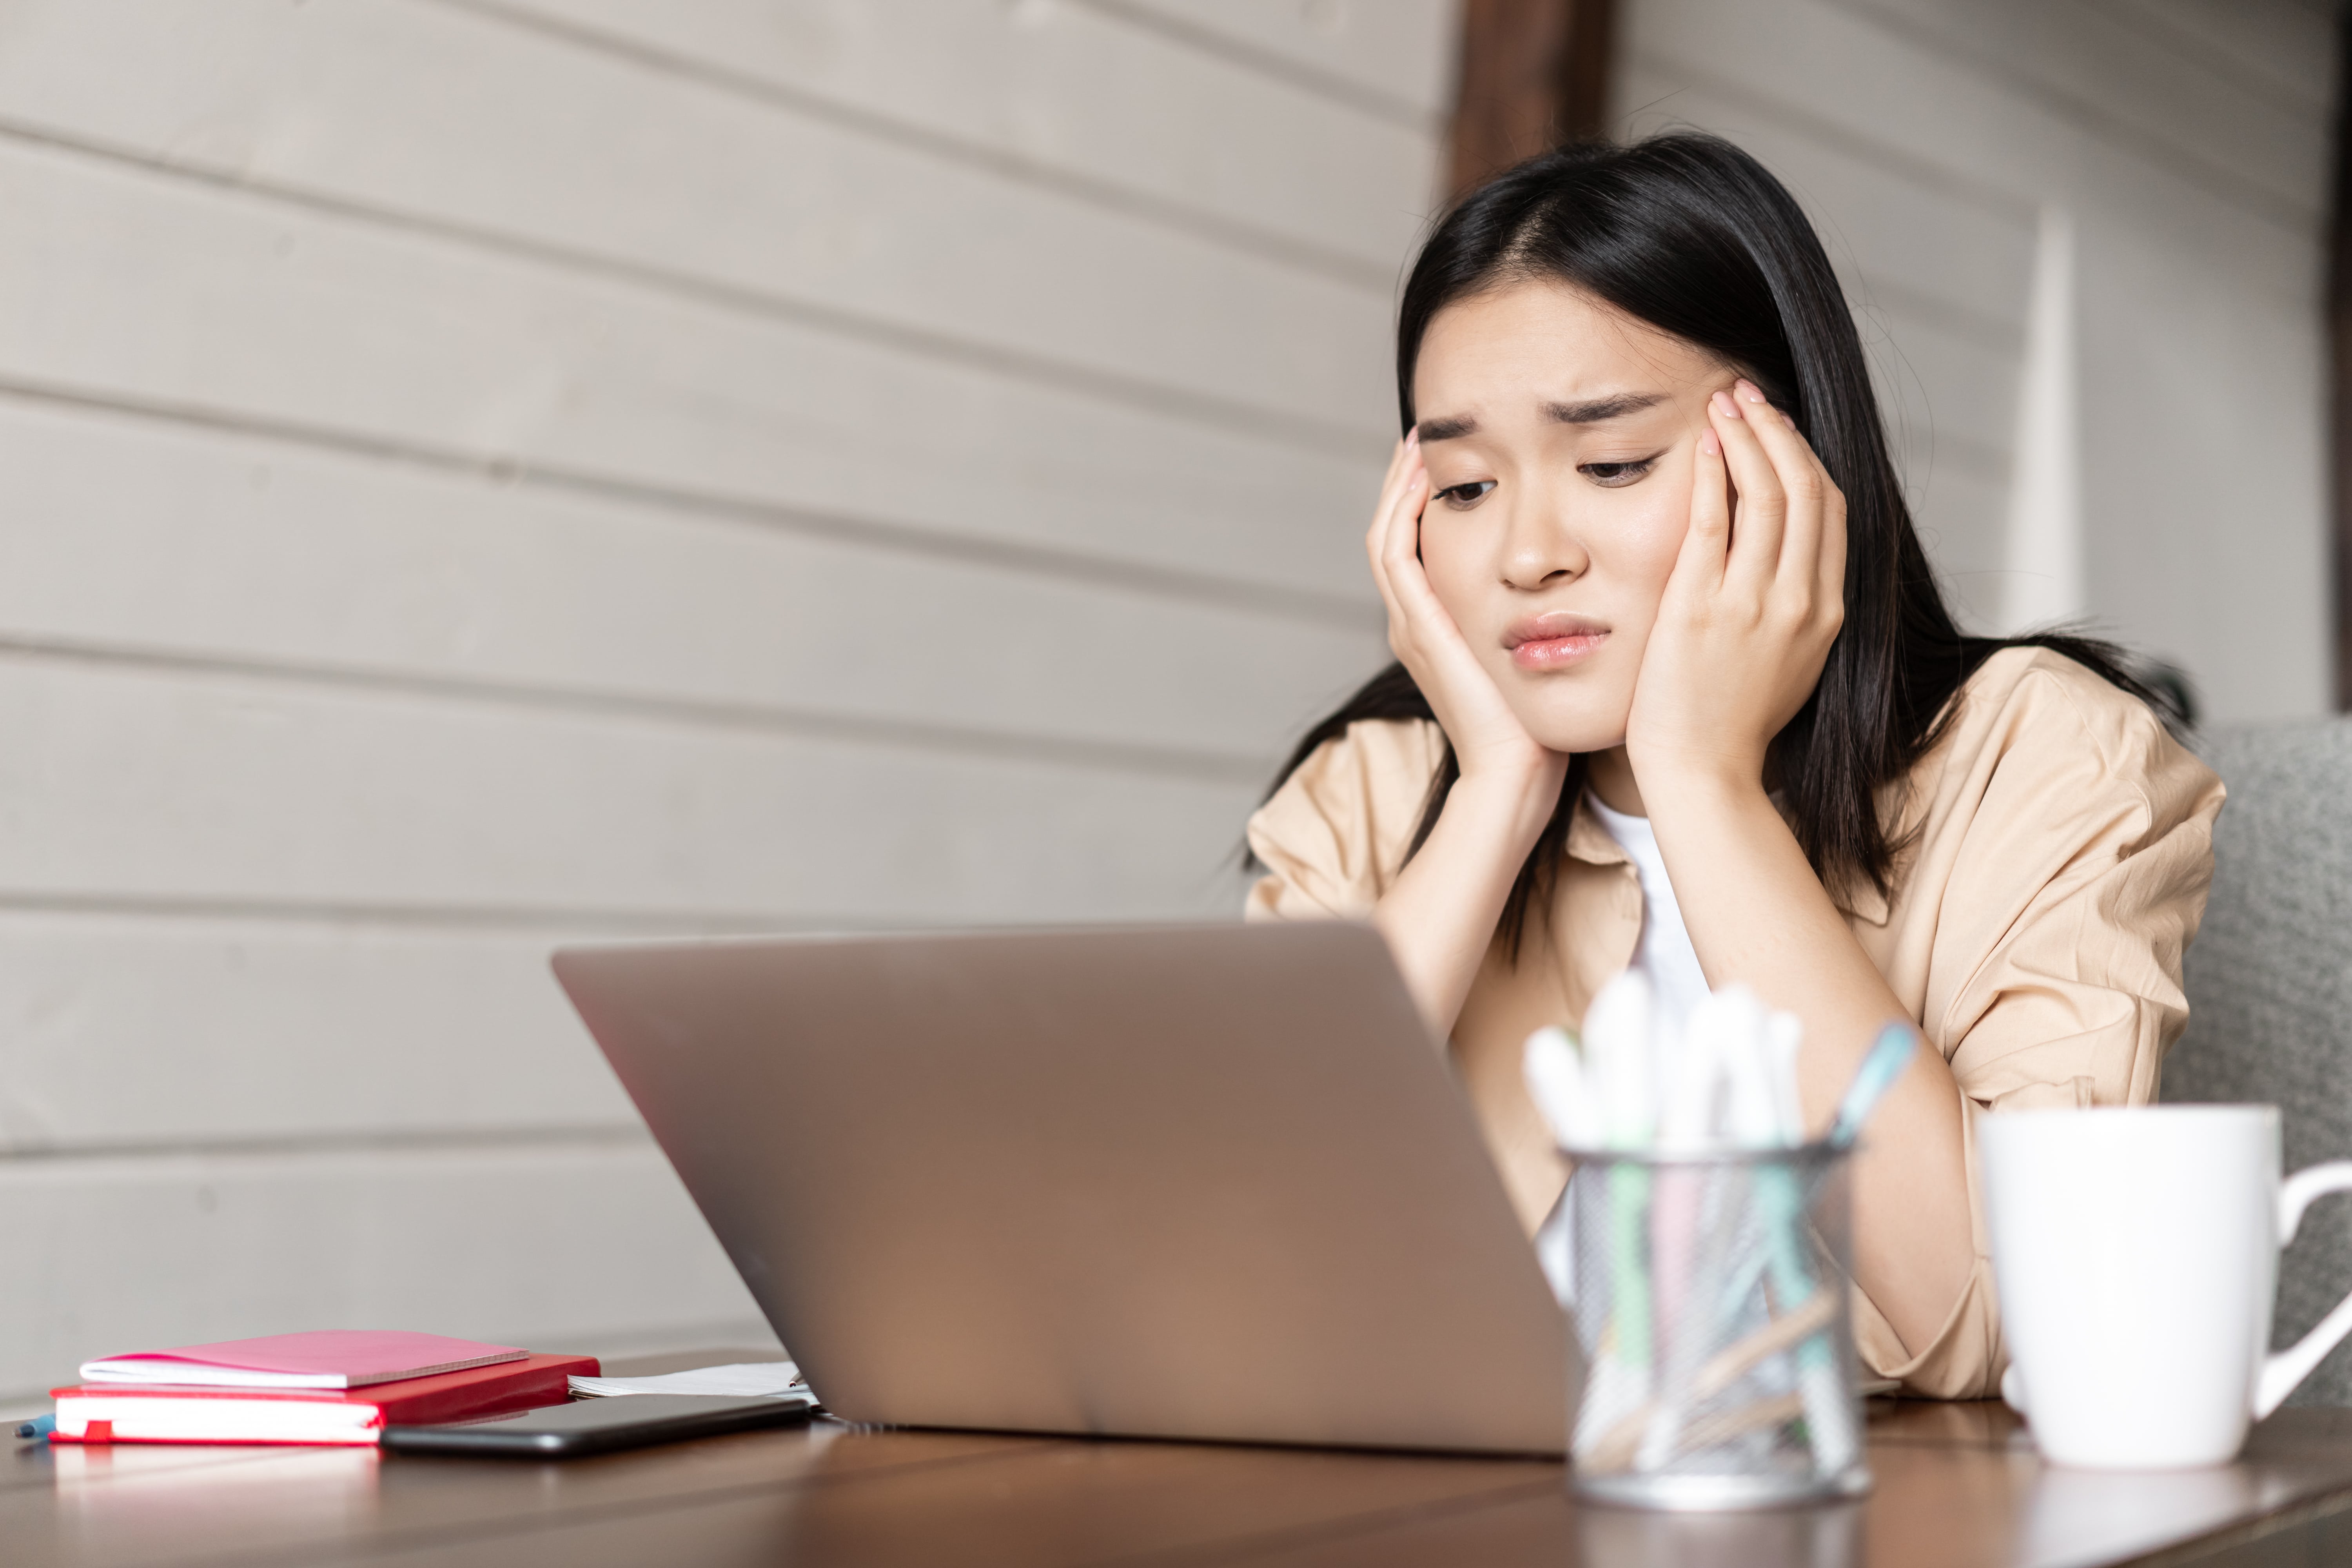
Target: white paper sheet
x=743, y=1379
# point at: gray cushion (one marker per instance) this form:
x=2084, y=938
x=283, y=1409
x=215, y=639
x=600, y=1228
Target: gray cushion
x=2270, y=988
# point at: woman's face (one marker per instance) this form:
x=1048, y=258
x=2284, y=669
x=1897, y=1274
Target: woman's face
x=1559, y=434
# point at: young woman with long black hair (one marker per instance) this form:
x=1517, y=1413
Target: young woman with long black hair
x=1675, y=689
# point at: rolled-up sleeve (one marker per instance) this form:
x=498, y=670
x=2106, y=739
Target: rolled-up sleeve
x=2073, y=853
x=1334, y=836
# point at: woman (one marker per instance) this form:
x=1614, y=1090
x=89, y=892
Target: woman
x=1676, y=687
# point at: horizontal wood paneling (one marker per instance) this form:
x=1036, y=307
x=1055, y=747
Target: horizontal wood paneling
x=2148, y=94
x=1060, y=92
x=550, y=1248
x=2204, y=475
x=2266, y=44
x=222, y=548
x=1899, y=91
x=129, y=285
x=122, y=783
x=1893, y=225
x=156, y=1031
x=490, y=472
x=1954, y=396
x=1403, y=53
x=1963, y=516
x=431, y=111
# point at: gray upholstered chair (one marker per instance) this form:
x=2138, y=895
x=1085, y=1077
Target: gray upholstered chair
x=2270, y=988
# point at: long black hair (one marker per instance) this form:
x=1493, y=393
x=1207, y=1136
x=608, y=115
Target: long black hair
x=1691, y=234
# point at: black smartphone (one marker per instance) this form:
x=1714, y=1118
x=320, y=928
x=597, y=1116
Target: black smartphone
x=600, y=1425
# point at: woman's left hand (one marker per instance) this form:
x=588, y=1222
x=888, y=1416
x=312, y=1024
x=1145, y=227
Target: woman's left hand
x=1754, y=600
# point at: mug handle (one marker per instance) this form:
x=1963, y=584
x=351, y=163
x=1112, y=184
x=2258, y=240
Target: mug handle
x=2289, y=1367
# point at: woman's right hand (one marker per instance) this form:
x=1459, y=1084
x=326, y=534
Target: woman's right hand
x=1440, y=914
x=1489, y=741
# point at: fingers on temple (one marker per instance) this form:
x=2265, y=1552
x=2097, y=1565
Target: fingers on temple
x=1406, y=448
x=1392, y=488
x=1389, y=481
x=1763, y=502
x=1404, y=568
x=1401, y=538
x=1804, y=483
x=1812, y=550
x=1395, y=542
x=1706, y=545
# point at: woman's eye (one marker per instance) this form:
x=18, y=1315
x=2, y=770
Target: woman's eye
x=1465, y=495
x=1613, y=475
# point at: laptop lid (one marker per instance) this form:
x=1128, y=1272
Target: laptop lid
x=1206, y=1181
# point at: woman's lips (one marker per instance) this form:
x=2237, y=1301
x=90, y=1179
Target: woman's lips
x=1553, y=641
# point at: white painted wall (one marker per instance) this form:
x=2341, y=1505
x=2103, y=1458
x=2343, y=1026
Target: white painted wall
x=481, y=472
x=2146, y=448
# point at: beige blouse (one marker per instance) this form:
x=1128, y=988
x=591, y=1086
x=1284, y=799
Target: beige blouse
x=2058, y=848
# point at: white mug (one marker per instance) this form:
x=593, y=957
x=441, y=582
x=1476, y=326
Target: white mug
x=2136, y=1251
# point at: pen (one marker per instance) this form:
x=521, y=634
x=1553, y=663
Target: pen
x=1828, y=1422
x=1765, y=1115
x=1834, y=1443
x=1561, y=1089
x=1887, y=1057
x=1619, y=1043
x=1691, y=1076
x=38, y=1429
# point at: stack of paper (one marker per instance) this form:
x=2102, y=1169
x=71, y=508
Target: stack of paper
x=776, y=1379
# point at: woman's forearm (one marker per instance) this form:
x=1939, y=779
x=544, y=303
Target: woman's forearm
x=1440, y=914
x=1758, y=915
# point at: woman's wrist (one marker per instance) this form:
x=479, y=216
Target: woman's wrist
x=1516, y=798
x=1700, y=778
x=1710, y=790
x=1521, y=764
x=1439, y=916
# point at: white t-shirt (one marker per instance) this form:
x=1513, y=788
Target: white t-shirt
x=1668, y=960
x=1664, y=956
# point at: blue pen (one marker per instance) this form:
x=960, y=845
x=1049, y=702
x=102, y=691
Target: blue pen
x=1888, y=1056
x=1834, y=1440
x=38, y=1429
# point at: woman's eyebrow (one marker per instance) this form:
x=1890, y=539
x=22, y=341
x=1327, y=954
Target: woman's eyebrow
x=1616, y=406
x=1592, y=411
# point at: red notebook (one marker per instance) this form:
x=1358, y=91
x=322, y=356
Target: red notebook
x=156, y=1413
x=323, y=1358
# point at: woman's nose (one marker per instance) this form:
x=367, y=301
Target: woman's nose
x=1541, y=548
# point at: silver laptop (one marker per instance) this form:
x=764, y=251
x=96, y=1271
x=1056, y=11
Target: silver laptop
x=1206, y=1181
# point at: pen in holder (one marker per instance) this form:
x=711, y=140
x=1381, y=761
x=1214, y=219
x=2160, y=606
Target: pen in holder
x=1710, y=1298
x=1702, y=1249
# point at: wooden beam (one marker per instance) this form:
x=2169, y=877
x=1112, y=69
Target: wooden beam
x=2339, y=333
x=1535, y=73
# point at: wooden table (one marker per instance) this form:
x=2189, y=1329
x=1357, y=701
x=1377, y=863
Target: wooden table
x=1958, y=1486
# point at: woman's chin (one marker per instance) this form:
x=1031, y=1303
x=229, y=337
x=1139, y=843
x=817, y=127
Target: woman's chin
x=1562, y=714
x=1574, y=733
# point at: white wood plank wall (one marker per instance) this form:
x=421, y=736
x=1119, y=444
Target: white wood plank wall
x=2185, y=144
x=483, y=472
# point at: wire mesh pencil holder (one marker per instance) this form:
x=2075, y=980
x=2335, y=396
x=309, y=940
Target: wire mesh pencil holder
x=1709, y=1294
